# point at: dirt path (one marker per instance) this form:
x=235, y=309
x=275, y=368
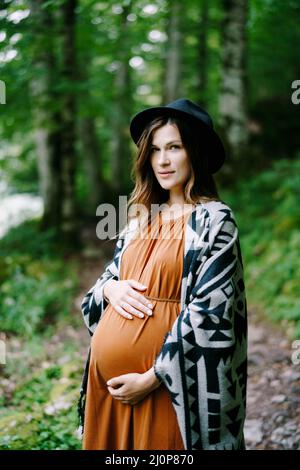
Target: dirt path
x=273, y=398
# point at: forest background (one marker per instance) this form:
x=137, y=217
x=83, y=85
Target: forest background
x=73, y=73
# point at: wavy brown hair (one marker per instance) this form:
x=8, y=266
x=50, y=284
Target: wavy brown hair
x=200, y=187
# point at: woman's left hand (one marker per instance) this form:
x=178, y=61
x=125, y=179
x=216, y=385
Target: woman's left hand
x=132, y=388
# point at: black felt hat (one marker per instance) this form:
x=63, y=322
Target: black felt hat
x=196, y=115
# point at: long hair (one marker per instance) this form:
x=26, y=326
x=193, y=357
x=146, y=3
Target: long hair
x=200, y=187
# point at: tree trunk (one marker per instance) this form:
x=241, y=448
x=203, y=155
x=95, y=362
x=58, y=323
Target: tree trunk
x=202, y=62
x=46, y=118
x=89, y=143
x=92, y=163
x=232, y=102
x=173, y=59
x=121, y=112
x=68, y=163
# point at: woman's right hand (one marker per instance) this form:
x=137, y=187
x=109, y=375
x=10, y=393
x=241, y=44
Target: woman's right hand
x=124, y=298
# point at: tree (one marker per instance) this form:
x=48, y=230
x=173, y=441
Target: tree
x=173, y=60
x=68, y=129
x=121, y=108
x=54, y=113
x=46, y=112
x=232, y=99
x=202, y=56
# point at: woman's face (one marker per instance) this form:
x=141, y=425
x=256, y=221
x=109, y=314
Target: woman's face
x=169, y=155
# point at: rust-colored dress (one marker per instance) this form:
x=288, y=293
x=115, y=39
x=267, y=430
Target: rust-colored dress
x=120, y=346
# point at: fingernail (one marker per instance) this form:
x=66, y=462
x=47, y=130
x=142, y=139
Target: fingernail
x=141, y=315
x=149, y=312
x=150, y=305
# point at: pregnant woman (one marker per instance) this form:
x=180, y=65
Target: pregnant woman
x=167, y=362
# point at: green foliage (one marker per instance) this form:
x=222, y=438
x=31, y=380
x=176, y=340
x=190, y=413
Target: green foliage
x=40, y=432
x=42, y=413
x=267, y=211
x=18, y=164
x=273, y=59
x=101, y=43
x=36, y=284
x=38, y=244
x=36, y=388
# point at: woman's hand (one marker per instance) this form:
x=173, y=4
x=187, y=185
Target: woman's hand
x=125, y=299
x=133, y=388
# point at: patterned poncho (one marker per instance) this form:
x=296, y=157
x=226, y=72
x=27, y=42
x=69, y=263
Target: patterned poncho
x=203, y=359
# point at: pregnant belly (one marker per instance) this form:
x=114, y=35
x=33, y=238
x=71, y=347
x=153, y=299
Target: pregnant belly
x=120, y=346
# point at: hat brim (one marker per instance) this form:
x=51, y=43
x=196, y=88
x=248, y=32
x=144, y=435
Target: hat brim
x=213, y=143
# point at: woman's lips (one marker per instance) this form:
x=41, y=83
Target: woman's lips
x=165, y=175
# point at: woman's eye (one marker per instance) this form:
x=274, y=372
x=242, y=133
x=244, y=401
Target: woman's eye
x=153, y=149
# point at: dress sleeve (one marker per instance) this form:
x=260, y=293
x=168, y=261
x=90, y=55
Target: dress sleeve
x=94, y=302
x=203, y=359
